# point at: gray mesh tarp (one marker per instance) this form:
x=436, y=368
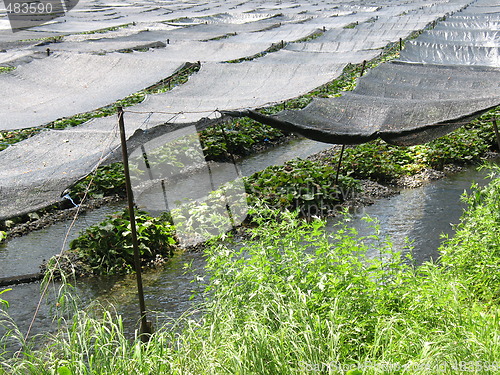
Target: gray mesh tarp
x=251, y=84
x=453, y=53
x=15, y=57
x=66, y=84
x=402, y=103
x=36, y=171
x=220, y=50
x=408, y=103
x=483, y=38
x=347, y=40
x=487, y=23
x=471, y=40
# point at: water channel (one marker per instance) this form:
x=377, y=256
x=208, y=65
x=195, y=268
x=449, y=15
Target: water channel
x=420, y=214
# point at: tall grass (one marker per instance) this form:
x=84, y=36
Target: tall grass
x=299, y=299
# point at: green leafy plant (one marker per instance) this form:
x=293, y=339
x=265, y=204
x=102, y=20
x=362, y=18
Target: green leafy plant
x=106, y=248
x=375, y=160
x=383, y=162
x=108, y=180
x=239, y=137
x=465, y=145
x=5, y=69
x=301, y=297
x=301, y=184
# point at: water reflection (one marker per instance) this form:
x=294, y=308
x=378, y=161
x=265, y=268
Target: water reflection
x=422, y=215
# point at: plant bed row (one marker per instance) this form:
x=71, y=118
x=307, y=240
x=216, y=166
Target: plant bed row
x=308, y=187
x=232, y=139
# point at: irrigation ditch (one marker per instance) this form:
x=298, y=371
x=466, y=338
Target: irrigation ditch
x=420, y=214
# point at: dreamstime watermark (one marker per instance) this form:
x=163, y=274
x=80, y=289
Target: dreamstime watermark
x=170, y=174
x=383, y=367
x=24, y=14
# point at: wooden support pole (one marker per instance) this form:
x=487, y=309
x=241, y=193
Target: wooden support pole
x=233, y=160
x=145, y=327
x=339, y=164
x=363, y=67
x=164, y=190
x=146, y=162
x=495, y=127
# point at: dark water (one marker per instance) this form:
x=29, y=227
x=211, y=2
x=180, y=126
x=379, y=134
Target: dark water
x=420, y=214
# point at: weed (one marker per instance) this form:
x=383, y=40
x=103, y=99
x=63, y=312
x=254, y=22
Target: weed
x=299, y=298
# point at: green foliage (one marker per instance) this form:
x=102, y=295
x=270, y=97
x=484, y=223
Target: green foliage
x=300, y=298
x=274, y=48
x=106, y=248
x=10, y=137
x=375, y=160
x=198, y=222
x=5, y=69
x=474, y=252
x=105, y=30
x=383, y=162
x=239, y=137
x=107, y=180
x=352, y=25
x=63, y=370
x=465, y=145
x=3, y=235
x=300, y=184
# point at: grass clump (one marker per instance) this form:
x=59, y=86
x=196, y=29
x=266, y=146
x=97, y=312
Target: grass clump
x=6, y=69
x=473, y=254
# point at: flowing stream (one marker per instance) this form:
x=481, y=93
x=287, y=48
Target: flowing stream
x=420, y=214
